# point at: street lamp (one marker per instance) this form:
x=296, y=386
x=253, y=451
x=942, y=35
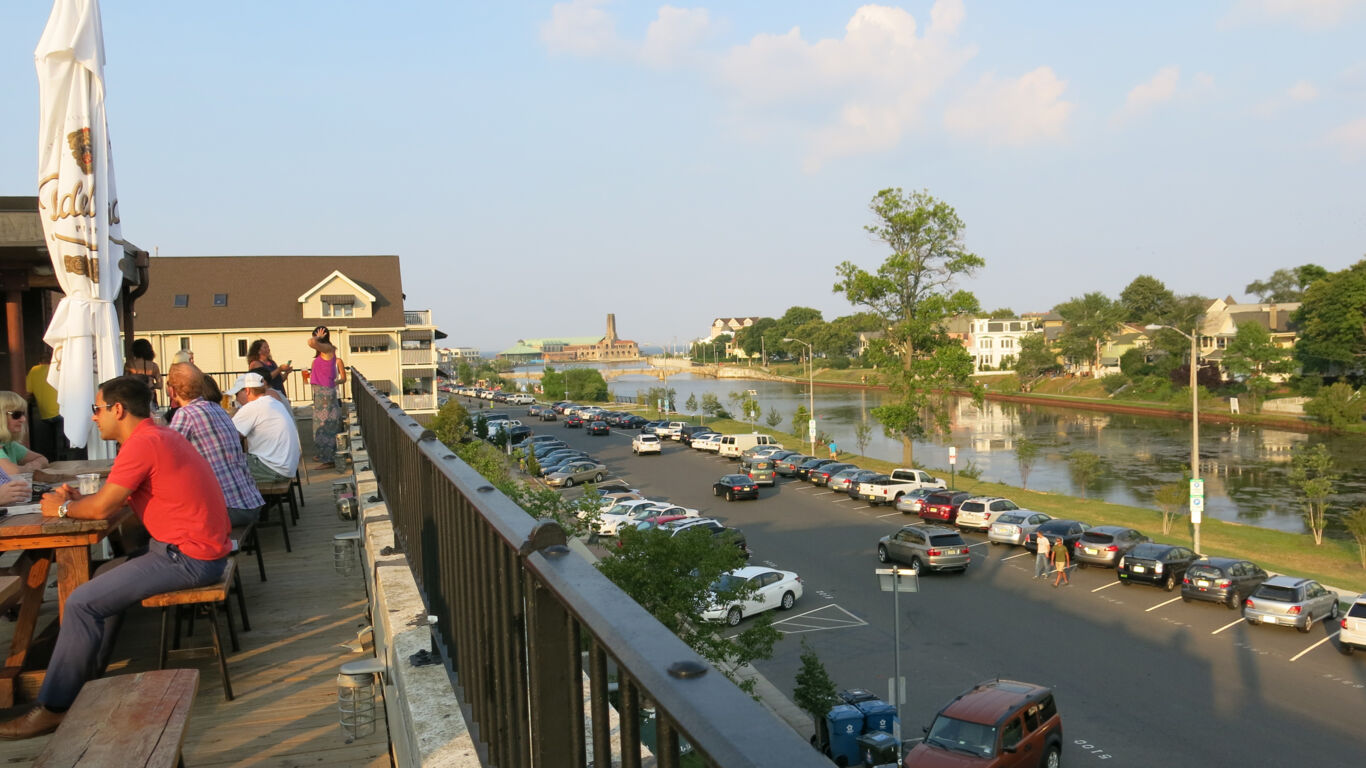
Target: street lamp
x=1195, y=428
x=810, y=392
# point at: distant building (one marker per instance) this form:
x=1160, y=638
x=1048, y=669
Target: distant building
x=1223, y=316
x=995, y=343
x=730, y=325
x=566, y=349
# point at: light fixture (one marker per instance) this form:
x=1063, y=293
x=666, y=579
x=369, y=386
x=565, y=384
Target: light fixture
x=345, y=557
x=356, y=697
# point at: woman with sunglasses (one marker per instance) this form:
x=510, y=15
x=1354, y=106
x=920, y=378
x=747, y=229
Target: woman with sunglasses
x=13, y=432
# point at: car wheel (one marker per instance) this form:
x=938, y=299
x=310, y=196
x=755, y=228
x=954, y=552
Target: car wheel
x=1170, y=583
x=733, y=617
x=597, y=478
x=1232, y=602
x=1124, y=582
x=1185, y=598
x=915, y=566
x=881, y=554
x=1052, y=758
x=789, y=600
x=568, y=482
x=730, y=496
x=715, y=491
x=874, y=502
x=1308, y=622
x=1346, y=648
x=1333, y=612
x=1080, y=565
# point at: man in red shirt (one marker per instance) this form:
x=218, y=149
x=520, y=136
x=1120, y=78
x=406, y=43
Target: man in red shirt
x=174, y=492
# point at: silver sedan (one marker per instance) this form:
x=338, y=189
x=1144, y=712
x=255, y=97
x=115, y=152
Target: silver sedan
x=576, y=472
x=1015, y=527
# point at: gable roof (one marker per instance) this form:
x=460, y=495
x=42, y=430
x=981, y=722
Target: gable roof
x=263, y=291
x=336, y=273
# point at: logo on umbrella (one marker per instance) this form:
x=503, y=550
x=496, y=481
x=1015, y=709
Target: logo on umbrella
x=79, y=141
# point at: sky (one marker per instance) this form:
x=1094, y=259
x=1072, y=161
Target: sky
x=537, y=165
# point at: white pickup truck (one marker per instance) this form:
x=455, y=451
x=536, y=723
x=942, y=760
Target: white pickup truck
x=888, y=488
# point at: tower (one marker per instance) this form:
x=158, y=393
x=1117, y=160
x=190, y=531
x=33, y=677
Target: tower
x=611, y=329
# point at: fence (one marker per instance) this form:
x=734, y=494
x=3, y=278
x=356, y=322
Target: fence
x=519, y=614
x=296, y=386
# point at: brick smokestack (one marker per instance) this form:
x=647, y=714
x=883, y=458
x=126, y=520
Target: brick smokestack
x=611, y=328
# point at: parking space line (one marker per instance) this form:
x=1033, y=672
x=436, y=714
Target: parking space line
x=1159, y=605
x=1106, y=586
x=979, y=544
x=1025, y=553
x=1233, y=623
x=890, y=514
x=1315, y=645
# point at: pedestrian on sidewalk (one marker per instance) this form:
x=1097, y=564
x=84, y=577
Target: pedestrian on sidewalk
x=1043, y=555
x=1061, y=561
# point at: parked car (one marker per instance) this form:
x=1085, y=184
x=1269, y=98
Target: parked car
x=576, y=472
x=1104, y=545
x=687, y=431
x=553, y=465
x=843, y=480
x=1353, y=633
x=611, y=518
x=980, y=512
x=649, y=427
x=994, y=724
x=1069, y=531
x=598, y=428
x=573, y=421
x=548, y=414
x=1291, y=601
x=925, y=547
x=771, y=589
x=761, y=451
x=1153, y=563
x=1015, y=527
x=517, y=435
x=615, y=486
x=804, y=469
x=542, y=439
x=735, y=487
x=787, y=467
x=821, y=476
x=892, y=486
x=760, y=470
x=942, y=506
x=670, y=430
x=910, y=503
x=632, y=421
x=711, y=442
x=641, y=444
x=698, y=437
x=712, y=526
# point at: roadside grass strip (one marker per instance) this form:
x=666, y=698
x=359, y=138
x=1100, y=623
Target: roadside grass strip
x=1159, y=605
x=1315, y=645
x=819, y=619
x=1233, y=623
x=1105, y=586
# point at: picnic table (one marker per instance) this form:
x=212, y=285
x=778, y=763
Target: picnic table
x=66, y=471
x=45, y=539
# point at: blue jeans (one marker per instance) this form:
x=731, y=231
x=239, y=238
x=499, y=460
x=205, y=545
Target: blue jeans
x=95, y=610
x=1041, y=564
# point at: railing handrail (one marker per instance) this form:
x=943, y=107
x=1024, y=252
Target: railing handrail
x=511, y=599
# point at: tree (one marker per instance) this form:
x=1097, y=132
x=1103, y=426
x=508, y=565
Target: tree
x=912, y=292
x=1026, y=454
x=815, y=692
x=800, y=418
x=1356, y=525
x=1003, y=313
x=1147, y=300
x=1332, y=322
x=863, y=434
x=1313, y=475
x=1036, y=357
x=1086, y=467
x=774, y=418
x=1337, y=405
x=1253, y=355
x=452, y=424
x=553, y=383
x=748, y=406
x=671, y=577
x=1172, y=499
x=691, y=405
x=464, y=373
x=1089, y=322
x=586, y=384
x=1286, y=285
x=711, y=405
x=752, y=338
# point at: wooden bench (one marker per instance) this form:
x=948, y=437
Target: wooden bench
x=276, y=496
x=126, y=720
x=11, y=587
x=212, y=596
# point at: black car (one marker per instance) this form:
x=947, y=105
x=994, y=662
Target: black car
x=548, y=414
x=518, y=434
x=632, y=421
x=821, y=475
x=711, y=526
x=598, y=428
x=1069, y=531
x=787, y=466
x=804, y=469
x=685, y=434
x=573, y=422
x=1224, y=580
x=1153, y=563
x=735, y=487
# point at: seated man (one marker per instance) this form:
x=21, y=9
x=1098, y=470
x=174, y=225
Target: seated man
x=210, y=430
x=173, y=490
x=268, y=427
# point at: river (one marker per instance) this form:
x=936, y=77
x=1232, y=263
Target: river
x=1245, y=468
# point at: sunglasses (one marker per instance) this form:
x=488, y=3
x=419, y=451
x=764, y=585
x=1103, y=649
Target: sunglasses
x=17, y=414
x=95, y=409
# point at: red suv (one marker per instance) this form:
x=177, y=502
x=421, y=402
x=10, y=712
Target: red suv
x=942, y=506
x=998, y=723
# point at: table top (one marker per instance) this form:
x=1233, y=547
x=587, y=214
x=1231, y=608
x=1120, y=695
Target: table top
x=27, y=520
x=62, y=471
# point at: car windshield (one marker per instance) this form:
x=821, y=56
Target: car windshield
x=962, y=736
x=1204, y=572
x=946, y=540
x=1010, y=519
x=727, y=583
x=1279, y=594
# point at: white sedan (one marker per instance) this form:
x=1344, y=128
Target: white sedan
x=771, y=589
x=631, y=512
x=711, y=443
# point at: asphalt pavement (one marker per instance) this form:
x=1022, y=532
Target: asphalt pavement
x=1141, y=678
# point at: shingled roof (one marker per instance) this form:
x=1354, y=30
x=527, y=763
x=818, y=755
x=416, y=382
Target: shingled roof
x=263, y=291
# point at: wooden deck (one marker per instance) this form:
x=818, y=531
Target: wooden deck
x=285, y=713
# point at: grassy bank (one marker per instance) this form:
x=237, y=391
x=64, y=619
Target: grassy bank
x=1335, y=562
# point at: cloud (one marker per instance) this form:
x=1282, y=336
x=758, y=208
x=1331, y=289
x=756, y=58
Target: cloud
x=1311, y=14
x=1014, y=112
x=674, y=35
x=1302, y=92
x=1147, y=95
x=1351, y=137
x=580, y=28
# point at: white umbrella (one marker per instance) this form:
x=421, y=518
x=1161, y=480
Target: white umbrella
x=79, y=210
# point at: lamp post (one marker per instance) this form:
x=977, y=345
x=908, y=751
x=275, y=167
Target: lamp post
x=1195, y=429
x=810, y=392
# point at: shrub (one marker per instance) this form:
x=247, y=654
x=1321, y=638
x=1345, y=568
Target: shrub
x=1337, y=406
x=1114, y=382
x=839, y=362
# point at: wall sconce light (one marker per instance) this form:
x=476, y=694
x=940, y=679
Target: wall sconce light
x=345, y=557
x=356, y=697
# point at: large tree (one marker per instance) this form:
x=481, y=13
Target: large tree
x=913, y=293
x=1036, y=356
x=1254, y=356
x=1147, y=300
x=1332, y=322
x=1089, y=320
x=752, y=339
x=1286, y=284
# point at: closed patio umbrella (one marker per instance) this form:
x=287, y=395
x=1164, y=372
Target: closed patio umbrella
x=79, y=211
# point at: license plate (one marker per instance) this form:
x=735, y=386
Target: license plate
x=1140, y=569
x=1090, y=551
x=872, y=497
x=1201, y=583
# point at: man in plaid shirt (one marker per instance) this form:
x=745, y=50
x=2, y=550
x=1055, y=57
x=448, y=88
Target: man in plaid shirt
x=210, y=430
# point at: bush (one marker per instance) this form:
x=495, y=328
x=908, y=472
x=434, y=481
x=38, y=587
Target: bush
x=1154, y=388
x=1337, y=406
x=1114, y=382
x=839, y=362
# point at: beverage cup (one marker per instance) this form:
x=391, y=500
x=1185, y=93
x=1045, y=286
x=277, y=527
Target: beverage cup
x=88, y=483
x=26, y=478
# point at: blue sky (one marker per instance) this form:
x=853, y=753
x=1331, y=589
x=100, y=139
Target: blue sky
x=537, y=165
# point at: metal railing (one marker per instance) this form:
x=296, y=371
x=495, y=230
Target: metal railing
x=417, y=317
x=517, y=609
x=296, y=386
x=416, y=357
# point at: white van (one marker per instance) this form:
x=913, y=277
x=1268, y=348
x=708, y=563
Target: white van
x=734, y=445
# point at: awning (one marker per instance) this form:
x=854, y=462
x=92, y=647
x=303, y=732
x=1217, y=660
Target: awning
x=370, y=340
x=338, y=298
x=415, y=335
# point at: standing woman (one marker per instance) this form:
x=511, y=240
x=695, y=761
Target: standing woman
x=260, y=361
x=142, y=367
x=14, y=431
x=327, y=372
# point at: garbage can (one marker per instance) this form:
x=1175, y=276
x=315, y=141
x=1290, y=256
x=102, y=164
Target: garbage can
x=878, y=749
x=845, y=723
x=855, y=695
x=878, y=715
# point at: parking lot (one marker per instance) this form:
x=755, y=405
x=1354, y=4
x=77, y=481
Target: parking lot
x=1141, y=677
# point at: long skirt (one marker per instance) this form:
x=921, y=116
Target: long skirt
x=326, y=423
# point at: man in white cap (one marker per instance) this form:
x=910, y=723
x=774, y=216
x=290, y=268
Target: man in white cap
x=268, y=428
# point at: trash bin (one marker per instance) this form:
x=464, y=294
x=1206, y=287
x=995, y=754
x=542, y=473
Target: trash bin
x=878, y=715
x=877, y=749
x=855, y=695
x=845, y=723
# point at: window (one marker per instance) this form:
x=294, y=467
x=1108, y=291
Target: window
x=181, y=300
x=1010, y=735
x=984, y=344
x=220, y=299
x=241, y=347
x=185, y=343
x=1007, y=343
x=338, y=310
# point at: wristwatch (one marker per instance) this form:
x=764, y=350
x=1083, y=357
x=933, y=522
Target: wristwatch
x=61, y=511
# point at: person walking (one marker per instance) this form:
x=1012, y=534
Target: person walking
x=1061, y=560
x=324, y=377
x=1043, y=554
x=834, y=450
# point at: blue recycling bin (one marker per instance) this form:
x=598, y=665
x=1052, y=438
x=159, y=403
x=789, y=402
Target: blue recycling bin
x=878, y=715
x=844, y=724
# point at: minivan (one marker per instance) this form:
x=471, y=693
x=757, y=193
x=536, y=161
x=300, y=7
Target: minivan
x=759, y=469
x=734, y=445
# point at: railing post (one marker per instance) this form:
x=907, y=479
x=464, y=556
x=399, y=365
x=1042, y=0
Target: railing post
x=553, y=661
